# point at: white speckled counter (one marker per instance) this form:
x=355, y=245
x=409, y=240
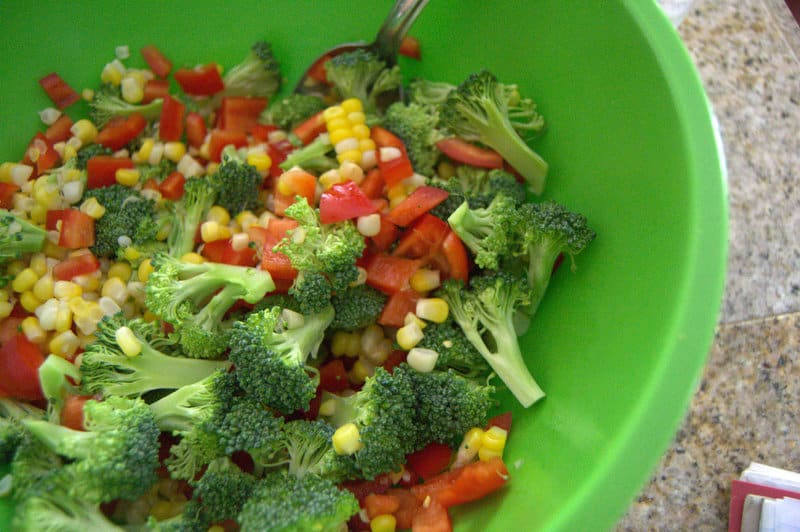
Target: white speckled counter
x=747, y=406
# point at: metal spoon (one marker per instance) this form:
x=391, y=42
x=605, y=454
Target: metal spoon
x=386, y=44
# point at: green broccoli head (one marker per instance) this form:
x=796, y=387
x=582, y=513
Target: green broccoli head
x=18, y=236
x=223, y=490
x=246, y=425
x=108, y=103
x=477, y=110
x=257, y=75
x=362, y=74
x=199, y=195
x=416, y=125
x=117, y=456
x=237, y=183
x=382, y=411
x=191, y=519
x=282, y=501
x=309, y=451
x=87, y=152
x=130, y=218
x=272, y=360
x=454, y=349
x=292, y=110
x=490, y=233
x=356, y=307
x=427, y=92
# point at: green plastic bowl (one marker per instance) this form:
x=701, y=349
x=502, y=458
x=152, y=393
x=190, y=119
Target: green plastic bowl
x=618, y=344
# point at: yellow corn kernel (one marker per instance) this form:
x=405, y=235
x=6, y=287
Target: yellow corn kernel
x=128, y=342
x=349, y=155
x=213, y=231
x=64, y=344
x=132, y=91
x=43, y=289
x=144, y=271
x=63, y=318
x=338, y=135
x=425, y=280
x=5, y=172
x=162, y=510
x=346, y=439
x=422, y=359
x=283, y=186
x=361, y=132
x=145, y=150
x=84, y=130
x=397, y=191
x=330, y=178
x=366, y=145
x=445, y=169
x=116, y=289
x=149, y=317
x=15, y=267
x=164, y=232
x=246, y=219
x=339, y=343
x=5, y=309
x=433, y=309
x=174, y=151
x=192, y=258
x=383, y=523
x=218, y=214
x=89, y=282
x=469, y=447
x=127, y=176
x=39, y=214
x=131, y=253
x=408, y=336
x=494, y=439
x=111, y=74
x=66, y=290
x=53, y=251
x=69, y=152
x=32, y=330
x=380, y=353
x=92, y=207
x=412, y=318
x=332, y=112
x=357, y=118
x=38, y=264
x=352, y=172
x=73, y=174
x=261, y=161
x=361, y=370
x=351, y=105
x=24, y=280
x=337, y=123
x=121, y=270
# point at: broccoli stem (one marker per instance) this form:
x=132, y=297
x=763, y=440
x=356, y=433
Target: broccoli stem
x=514, y=150
x=62, y=440
x=540, y=269
x=203, y=279
x=178, y=410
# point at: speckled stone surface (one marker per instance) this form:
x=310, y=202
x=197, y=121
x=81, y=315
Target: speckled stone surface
x=748, y=405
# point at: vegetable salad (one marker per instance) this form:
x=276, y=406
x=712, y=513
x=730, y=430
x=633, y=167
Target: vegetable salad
x=227, y=307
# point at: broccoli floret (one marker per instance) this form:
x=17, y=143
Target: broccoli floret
x=489, y=233
x=383, y=413
x=159, y=171
x=284, y=502
x=416, y=125
x=549, y=230
x=237, y=183
x=272, y=360
x=454, y=349
x=447, y=405
x=115, y=458
x=454, y=199
x=309, y=451
x=18, y=236
x=191, y=519
x=107, y=370
x=195, y=297
x=128, y=214
x=313, y=157
x=485, y=312
x=108, y=103
x=478, y=187
x=56, y=508
x=292, y=110
x=522, y=113
x=362, y=74
x=426, y=92
x=12, y=433
x=329, y=250
x=53, y=379
x=284, y=301
x=478, y=111
x=199, y=196
x=223, y=489
x=87, y=152
x=257, y=75
x=356, y=307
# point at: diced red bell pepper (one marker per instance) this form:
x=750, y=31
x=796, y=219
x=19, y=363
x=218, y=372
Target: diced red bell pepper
x=277, y=264
x=155, y=89
x=310, y=129
x=384, y=138
x=221, y=138
x=19, y=368
x=372, y=185
x=102, y=169
x=409, y=47
x=390, y=274
x=317, y=71
x=419, y=202
x=202, y=80
x=59, y=130
x=195, y=129
x=82, y=264
x=456, y=258
x=222, y=251
x=7, y=191
x=261, y=132
x=463, y=152
x=240, y=113
x=432, y=518
x=344, y=201
x=500, y=420
x=157, y=61
x=423, y=238
x=59, y=91
x=465, y=484
x=333, y=376
x=430, y=460
x=77, y=230
x=376, y=504
x=72, y=411
x=172, y=186
x=40, y=154
x=386, y=236
x=407, y=509
x=398, y=306
x=301, y=183
x=278, y=151
x=170, y=125
x=120, y=131
x=394, y=171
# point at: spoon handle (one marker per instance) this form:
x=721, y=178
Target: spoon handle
x=394, y=28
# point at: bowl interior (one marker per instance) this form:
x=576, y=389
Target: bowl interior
x=619, y=342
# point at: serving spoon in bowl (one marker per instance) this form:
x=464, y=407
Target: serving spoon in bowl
x=386, y=45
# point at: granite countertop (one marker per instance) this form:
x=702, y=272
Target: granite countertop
x=746, y=407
